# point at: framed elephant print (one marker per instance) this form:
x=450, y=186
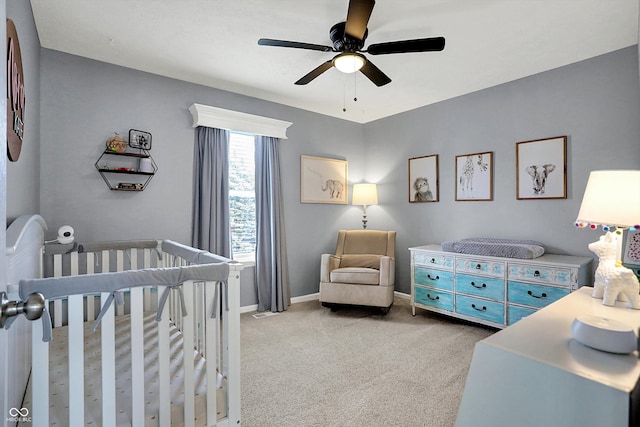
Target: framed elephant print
x=474, y=177
x=423, y=179
x=323, y=180
x=541, y=169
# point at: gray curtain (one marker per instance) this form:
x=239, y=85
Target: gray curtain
x=272, y=271
x=210, y=224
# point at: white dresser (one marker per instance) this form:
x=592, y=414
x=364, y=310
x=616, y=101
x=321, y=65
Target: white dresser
x=533, y=374
x=493, y=291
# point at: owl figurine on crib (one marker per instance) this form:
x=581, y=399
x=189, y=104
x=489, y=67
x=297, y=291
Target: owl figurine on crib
x=612, y=280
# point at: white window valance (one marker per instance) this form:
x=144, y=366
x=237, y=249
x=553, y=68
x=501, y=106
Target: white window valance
x=213, y=117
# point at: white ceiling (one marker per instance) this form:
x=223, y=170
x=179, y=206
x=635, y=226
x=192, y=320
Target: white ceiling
x=214, y=43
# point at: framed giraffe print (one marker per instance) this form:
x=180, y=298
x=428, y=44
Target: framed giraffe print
x=423, y=179
x=541, y=169
x=474, y=177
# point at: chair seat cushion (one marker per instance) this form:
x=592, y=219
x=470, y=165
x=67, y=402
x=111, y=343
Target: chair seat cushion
x=360, y=260
x=356, y=275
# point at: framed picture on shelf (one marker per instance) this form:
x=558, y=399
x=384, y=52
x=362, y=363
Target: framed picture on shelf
x=474, y=176
x=323, y=180
x=139, y=139
x=423, y=179
x=541, y=169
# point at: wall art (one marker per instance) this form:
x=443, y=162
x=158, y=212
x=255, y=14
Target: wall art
x=423, y=179
x=474, y=177
x=323, y=180
x=541, y=169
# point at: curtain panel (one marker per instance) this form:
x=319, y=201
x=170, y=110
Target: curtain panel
x=210, y=216
x=272, y=271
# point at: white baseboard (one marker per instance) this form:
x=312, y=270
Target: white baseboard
x=311, y=297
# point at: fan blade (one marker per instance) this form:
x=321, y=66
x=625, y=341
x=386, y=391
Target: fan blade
x=418, y=45
x=315, y=73
x=358, y=17
x=374, y=74
x=296, y=45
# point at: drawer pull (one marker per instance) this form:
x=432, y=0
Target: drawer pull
x=478, y=266
x=536, y=273
x=433, y=278
x=433, y=261
x=479, y=309
x=484, y=285
x=544, y=295
x=432, y=298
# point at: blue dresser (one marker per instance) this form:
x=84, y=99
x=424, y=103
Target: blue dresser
x=491, y=290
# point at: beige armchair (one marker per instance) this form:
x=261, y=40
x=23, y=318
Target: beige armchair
x=362, y=271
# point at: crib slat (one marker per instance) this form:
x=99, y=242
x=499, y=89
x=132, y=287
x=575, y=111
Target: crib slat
x=137, y=358
x=147, y=291
x=57, y=304
x=76, y=357
x=164, y=379
x=188, y=362
x=231, y=321
x=91, y=314
x=107, y=327
x=119, y=267
x=212, y=337
x=39, y=376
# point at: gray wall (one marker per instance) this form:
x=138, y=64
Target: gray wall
x=23, y=176
x=85, y=101
x=595, y=103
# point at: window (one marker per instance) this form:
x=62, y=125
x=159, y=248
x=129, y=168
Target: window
x=242, y=195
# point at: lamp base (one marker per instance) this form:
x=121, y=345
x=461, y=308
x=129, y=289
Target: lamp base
x=604, y=334
x=612, y=280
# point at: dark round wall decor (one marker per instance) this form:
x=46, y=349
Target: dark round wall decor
x=15, y=94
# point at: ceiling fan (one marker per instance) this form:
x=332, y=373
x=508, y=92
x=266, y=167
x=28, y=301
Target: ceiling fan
x=348, y=39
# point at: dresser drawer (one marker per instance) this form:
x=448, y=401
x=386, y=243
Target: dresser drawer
x=433, y=260
x=533, y=295
x=434, y=298
x=432, y=277
x=471, y=265
x=515, y=313
x=480, y=308
x=487, y=287
x=537, y=273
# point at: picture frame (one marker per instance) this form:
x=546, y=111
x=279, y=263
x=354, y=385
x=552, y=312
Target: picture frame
x=632, y=248
x=323, y=180
x=541, y=169
x=139, y=139
x=423, y=179
x=474, y=177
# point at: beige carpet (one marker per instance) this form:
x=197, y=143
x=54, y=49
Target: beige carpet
x=310, y=366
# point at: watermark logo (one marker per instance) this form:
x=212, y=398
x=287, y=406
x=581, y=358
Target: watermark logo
x=19, y=415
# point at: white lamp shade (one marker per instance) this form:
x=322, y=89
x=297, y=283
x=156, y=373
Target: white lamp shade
x=611, y=198
x=364, y=194
x=349, y=62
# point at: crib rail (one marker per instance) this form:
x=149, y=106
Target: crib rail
x=209, y=328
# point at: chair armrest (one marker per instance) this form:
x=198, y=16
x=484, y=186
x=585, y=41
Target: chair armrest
x=387, y=271
x=328, y=263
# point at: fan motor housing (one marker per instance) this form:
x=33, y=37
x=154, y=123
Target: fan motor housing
x=343, y=41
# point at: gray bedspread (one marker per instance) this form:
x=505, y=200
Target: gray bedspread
x=508, y=248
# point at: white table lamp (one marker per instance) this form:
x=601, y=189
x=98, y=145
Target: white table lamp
x=364, y=194
x=611, y=200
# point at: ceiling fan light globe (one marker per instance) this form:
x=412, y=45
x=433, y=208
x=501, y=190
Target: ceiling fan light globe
x=349, y=62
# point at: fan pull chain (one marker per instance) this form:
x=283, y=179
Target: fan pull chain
x=355, y=91
x=344, y=93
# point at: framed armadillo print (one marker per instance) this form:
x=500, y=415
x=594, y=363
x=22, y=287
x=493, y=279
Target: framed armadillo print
x=323, y=180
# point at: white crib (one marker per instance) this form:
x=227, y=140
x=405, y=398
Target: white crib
x=182, y=368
